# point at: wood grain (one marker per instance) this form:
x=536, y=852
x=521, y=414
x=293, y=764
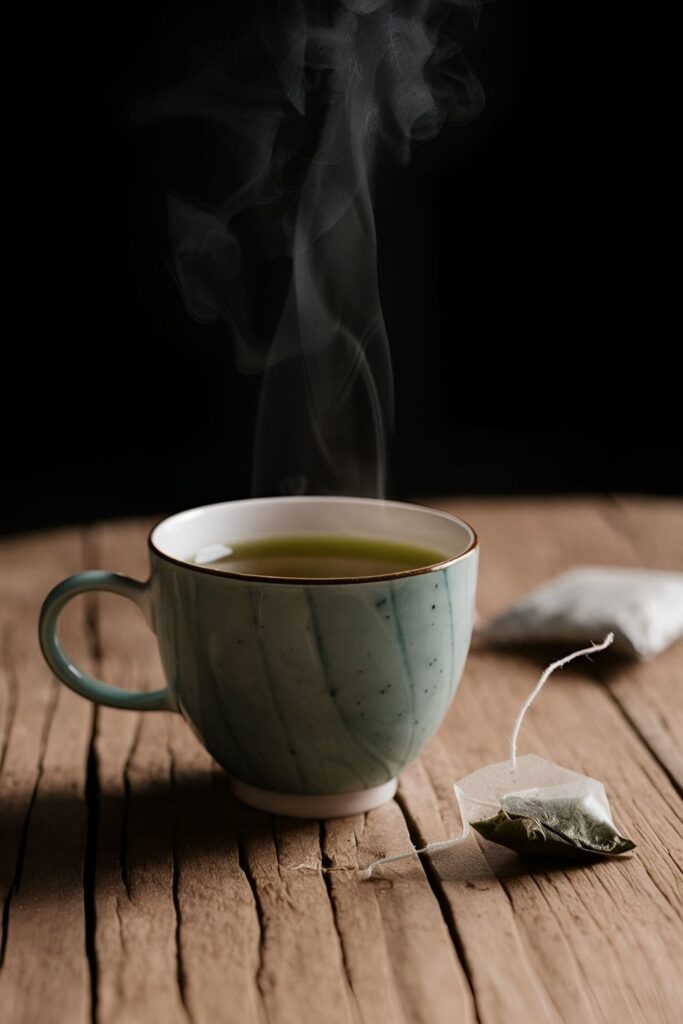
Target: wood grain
x=528, y=542
x=578, y=724
x=650, y=694
x=43, y=810
x=136, y=889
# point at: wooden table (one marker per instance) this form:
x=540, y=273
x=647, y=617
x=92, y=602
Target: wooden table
x=136, y=890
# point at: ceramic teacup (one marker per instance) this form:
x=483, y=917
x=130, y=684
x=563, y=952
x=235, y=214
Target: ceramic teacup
x=312, y=694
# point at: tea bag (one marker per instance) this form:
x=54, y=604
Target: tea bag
x=533, y=806
x=642, y=607
x=542, y=809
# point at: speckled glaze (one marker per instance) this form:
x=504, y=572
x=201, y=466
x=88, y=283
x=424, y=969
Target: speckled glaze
x=314, y=689
x=301, y=687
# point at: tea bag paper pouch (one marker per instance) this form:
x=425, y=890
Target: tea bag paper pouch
x=643, y=607
x=540, y=809
x=532, y=805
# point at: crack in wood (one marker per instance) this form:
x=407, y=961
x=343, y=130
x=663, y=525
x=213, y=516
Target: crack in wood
x=570, y=952
x=524, y=948
x=14, y=885
x=91, y=619
x=175, y=889
x=503, y=888
x=435, y=885
x=92, y=789
x=326, y=864
x=243, y=864
x=667, y=896
x=616, y=520
x=676, y=808
x=631, y=722
x=669, y=910
x=618, y=906
x=92, y=799
x=125, y=809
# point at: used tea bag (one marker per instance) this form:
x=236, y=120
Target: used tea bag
x=542, y=809
x=642, y=607
x=533, y=806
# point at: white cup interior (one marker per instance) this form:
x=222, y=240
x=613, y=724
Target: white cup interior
x=181, y=536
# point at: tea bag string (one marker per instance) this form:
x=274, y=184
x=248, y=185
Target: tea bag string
x=540, y=684
x=447, y=843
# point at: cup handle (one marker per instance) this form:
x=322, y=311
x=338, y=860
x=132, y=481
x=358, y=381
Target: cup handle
x=61, y=664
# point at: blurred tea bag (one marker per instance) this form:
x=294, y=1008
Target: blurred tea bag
x=533, y=806
x=643, y=607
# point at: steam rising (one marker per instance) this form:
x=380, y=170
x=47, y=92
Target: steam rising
x=304, y=103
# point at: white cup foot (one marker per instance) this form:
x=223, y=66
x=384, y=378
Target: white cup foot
x=294, y=805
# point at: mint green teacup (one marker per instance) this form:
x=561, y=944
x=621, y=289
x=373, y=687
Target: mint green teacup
x=312, y=694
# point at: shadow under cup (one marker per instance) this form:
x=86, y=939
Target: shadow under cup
x=313, y=694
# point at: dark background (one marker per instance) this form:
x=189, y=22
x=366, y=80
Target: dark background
x=526, y=263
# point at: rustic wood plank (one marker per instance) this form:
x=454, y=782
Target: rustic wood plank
x=564, y=924
x=43, y=812
x=220, y=935
x=650, y=693
x=168, y=874
x=397, y=953
x=532, y=541
x=301, y=974
x=208, y=912
x=136, y=923
x=505, y=983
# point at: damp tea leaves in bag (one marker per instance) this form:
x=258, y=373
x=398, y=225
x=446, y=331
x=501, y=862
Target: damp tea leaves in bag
x=533, y=806
x=543, y=810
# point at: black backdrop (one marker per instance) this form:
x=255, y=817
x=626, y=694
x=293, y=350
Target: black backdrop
x=526, y=265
